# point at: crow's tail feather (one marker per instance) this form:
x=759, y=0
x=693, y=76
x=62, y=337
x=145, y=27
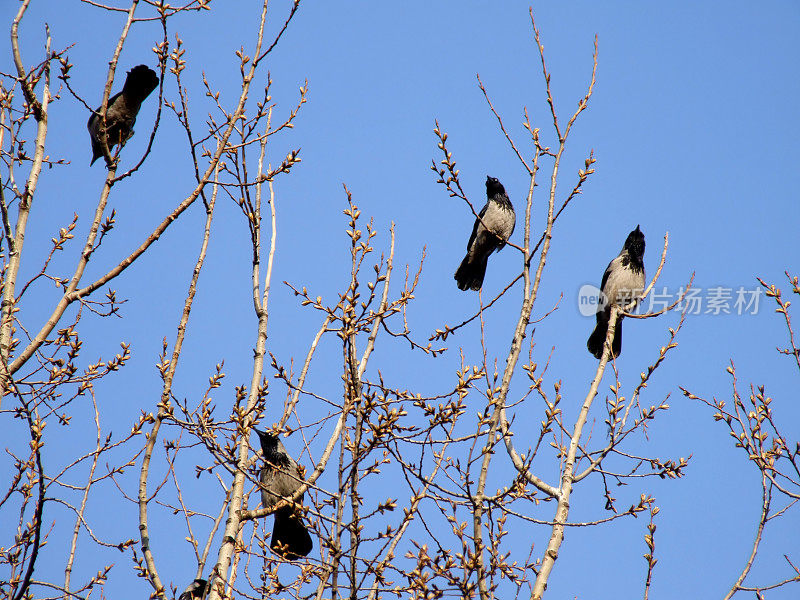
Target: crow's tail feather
x=290, y=538
x=470, y=274
x=598, y=337
x=141, y=80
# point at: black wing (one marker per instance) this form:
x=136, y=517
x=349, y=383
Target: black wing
x=475, y=227
x=605, y=276
x=601, y=305
x=96, y=114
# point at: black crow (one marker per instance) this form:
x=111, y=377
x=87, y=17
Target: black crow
x=281, y=477
x=622, y=282
x=122, y=110
x=490, y=233
x=195, y=591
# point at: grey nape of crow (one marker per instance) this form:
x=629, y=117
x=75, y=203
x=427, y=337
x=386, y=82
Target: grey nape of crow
x=281, y=477
x=622, y=282
x=195, y=590
x=122, y=110
x=490, y=232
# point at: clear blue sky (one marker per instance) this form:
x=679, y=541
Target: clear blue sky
x=694, y=127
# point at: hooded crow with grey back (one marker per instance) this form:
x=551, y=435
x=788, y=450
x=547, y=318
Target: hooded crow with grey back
x=281, y=477
x=622, y=282
x=491, y=232
x=122, y=110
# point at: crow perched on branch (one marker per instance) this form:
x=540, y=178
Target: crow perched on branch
x=121, y=113
x=281, y=477
x=622, y=282
x=490, y=232
x=195, y=590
